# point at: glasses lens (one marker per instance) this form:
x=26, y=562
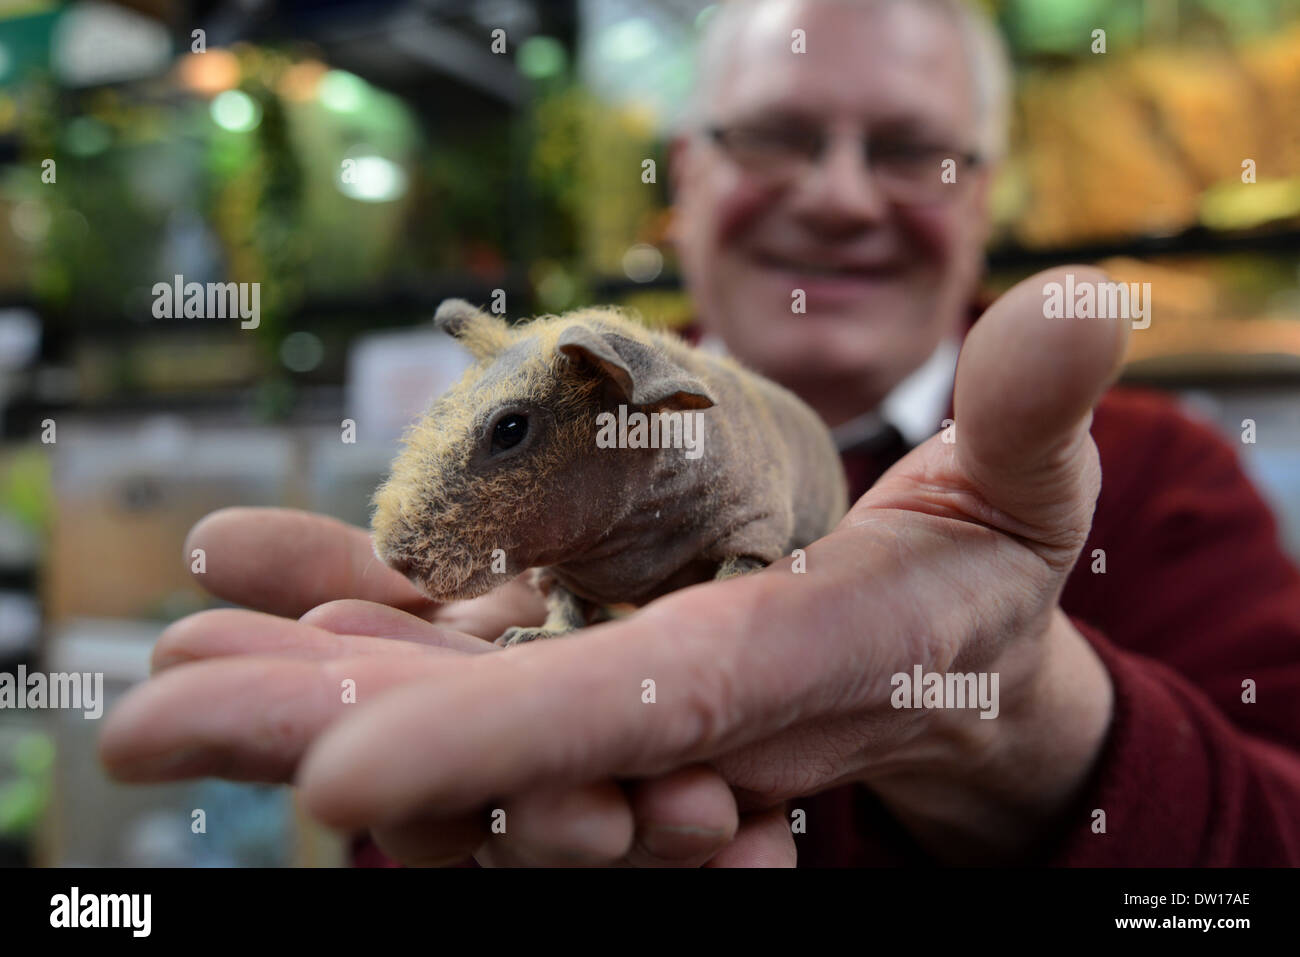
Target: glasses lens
x=770, y=149
x=917, y=172
x=906, y=171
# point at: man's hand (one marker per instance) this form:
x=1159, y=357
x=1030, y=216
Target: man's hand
x=954, y=561
x=257, y=689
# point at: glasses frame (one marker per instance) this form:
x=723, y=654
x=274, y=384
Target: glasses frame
x=718, y=133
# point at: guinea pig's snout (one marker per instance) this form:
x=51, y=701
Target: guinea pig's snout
x=394, y=540
x=399, y=562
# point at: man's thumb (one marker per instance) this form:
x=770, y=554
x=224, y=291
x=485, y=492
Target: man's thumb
x=1026, y=384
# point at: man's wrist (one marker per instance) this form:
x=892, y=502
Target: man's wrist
x=997, y=787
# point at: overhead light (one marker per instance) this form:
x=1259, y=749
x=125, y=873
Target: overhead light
x=236, y=111
x=342, y=92
x=372, y=179
x=209, y=73
x=540, y=57
x=301, y=81
x=643, y=263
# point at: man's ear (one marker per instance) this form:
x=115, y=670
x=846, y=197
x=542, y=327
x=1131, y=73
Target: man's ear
x=483, y=334
x=643, y=374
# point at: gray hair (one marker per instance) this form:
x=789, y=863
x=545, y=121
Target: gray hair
x=986, y=58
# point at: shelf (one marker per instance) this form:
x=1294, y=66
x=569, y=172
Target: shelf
x=1195, y=241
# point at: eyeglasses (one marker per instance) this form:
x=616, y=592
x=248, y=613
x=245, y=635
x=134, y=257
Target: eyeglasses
x=906, y=170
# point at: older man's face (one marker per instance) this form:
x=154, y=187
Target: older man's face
x=885, y=277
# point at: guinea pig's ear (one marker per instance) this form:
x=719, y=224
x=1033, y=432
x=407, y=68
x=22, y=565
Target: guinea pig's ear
x=484, y=335
x=645, y=375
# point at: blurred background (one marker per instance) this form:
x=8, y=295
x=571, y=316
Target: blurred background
x=362, y=161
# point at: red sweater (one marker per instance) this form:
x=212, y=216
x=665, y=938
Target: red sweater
x=1197, y=597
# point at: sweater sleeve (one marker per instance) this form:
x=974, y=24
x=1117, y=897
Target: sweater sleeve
x=1197, y=620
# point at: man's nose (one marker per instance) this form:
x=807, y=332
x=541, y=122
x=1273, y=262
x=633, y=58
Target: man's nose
x=840, y=192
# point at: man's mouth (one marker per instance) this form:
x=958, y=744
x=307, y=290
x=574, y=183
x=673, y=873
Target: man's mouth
x=832, y=286
x=827, y=267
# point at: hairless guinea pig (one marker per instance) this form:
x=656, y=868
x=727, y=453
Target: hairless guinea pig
x=619, y=462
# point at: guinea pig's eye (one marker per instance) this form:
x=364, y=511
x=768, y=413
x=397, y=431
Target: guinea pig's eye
x=509, y=432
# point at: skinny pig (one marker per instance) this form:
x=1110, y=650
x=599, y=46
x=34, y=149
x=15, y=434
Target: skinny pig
x=618, y=462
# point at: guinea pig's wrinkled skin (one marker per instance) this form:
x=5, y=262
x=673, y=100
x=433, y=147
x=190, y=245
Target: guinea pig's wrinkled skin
x=514, y=468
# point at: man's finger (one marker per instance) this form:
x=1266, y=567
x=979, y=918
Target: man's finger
x=497, y=724
x=516, y=602
x=288, y=562
x=678, y=820
x=243, y=718
x=682, y=819
x=589, y=825
x=224, y=632
x=352, y=617
x=764, y=840
x=1025, y=388
x=285, y=562
x=433, y=842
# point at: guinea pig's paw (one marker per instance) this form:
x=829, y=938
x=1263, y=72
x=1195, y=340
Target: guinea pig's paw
x=517, y=636
x=738, y=565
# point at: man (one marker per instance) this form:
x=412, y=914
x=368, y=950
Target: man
x=1142, y=714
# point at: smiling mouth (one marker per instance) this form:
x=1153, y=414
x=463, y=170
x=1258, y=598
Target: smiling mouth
x=827, y=270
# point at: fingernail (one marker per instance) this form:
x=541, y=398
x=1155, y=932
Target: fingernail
x=676, y=841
